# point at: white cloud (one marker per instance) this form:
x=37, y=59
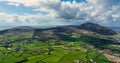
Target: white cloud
x=31, y=20
x=7, y=18
x=25, y=2
x=16, y=4
x=101, y=11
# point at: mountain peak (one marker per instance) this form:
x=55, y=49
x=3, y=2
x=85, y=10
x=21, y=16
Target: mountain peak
x=97, y=28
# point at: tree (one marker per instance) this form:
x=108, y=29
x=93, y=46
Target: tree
x=50, y=49
x=18, y=48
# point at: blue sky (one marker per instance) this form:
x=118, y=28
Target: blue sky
x=21, y=9
x=58, y=12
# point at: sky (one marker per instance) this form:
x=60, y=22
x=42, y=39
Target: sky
x=58, y=12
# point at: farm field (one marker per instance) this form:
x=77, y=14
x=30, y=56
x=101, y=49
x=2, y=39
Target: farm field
x=21, y=49
x=59, y=31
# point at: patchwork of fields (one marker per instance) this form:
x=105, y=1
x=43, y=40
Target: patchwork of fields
x=21, y=49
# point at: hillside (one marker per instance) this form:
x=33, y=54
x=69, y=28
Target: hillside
x=64, y=44
x=97, y=28
x=86, y=28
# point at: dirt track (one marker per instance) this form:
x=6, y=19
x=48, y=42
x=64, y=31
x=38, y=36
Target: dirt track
x=112, y=58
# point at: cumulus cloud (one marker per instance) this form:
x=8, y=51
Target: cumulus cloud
x=33, y=20
x=100, y=11
x=16, y=4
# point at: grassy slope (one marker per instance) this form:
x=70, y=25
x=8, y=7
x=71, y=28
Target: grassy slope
x=116, y=35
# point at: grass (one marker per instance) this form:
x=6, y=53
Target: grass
x=58, y=55
x=116, y=35
x=72, y=56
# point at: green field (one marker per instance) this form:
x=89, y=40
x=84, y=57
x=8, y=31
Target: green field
x=20, y=49
x=116, y=35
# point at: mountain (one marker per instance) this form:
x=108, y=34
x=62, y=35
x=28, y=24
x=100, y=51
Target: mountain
x=97, y=28
x=86, y=28
x=24, y=27
x=22, y=30
x=91, y=30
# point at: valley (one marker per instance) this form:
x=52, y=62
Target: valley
x=59, y=31
x=67, y=44
x=15, y=50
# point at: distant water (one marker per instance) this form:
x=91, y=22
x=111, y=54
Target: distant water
x=115, y=28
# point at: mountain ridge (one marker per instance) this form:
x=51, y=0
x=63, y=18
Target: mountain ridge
x=85, y=28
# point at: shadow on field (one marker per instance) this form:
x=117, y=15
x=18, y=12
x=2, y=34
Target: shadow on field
x=96, y=42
